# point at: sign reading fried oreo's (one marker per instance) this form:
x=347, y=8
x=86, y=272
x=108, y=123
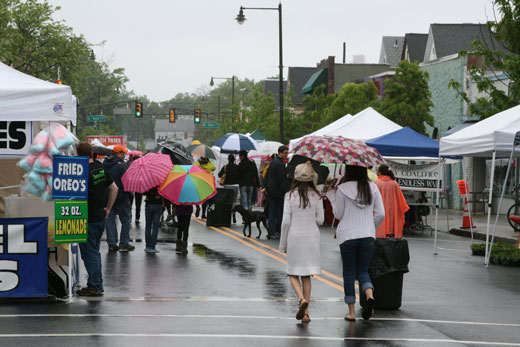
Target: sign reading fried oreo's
x=70, y=177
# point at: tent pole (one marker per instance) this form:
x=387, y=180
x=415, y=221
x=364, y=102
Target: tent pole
x=492, y=178
x=437, y=206
x=465, y=177
x=499, y=205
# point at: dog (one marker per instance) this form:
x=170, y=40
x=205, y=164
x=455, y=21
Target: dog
x=249, y=217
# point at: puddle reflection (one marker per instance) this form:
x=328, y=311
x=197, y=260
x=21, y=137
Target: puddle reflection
x=226, y=261
x=276, y=283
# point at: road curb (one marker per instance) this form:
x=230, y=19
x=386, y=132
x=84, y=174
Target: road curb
x=481, y=236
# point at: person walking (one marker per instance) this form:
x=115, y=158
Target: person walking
x=137, y=197
x=276, y=186
x=394, y=203
x=248, y=179
x=300, y=238
x=183, y=218
x=99, y=183
x=116, y=166
x=152, y=213
x=207, y=165
x=231, y=178
x=359, y=208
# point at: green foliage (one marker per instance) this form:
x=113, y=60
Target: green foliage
x=34, y=43
x=315, y=109
x=502, y=253
x=496, y=61
x=352, y=99
x=407, y=97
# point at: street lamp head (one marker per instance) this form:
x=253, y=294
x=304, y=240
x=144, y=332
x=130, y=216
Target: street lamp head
x=241, y=18
x=211, y=83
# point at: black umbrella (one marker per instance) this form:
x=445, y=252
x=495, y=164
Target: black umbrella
x=100, y=150
x=177, y=152
x=322, y=171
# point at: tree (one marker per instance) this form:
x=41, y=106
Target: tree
x=501, y=55
x=315, y=108
x=33, y=43
x=407, y=97
x=352, y=99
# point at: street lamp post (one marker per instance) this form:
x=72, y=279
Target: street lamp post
x=241, y=18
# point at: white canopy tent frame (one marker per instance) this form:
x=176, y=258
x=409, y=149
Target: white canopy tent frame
x=30, y=99
x=493, y=136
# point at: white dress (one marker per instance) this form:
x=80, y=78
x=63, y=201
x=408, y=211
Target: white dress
x=300, y=235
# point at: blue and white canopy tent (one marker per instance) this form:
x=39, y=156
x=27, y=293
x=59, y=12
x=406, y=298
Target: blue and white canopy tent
x=407, y=143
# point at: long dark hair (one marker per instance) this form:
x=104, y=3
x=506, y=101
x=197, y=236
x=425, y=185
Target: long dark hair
x=359, y=174
x=303, y=191
x=386, y=171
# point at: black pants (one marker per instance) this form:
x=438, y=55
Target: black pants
x=204, y=208
x=138, y=201
x=183, y=227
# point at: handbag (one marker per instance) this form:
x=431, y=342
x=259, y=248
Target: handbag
x=223, y=178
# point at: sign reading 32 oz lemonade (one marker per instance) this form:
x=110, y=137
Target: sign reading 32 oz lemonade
x=71, y=221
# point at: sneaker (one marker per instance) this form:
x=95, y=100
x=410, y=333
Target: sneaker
x=90, y=291
x=112, y=248
x=126, y=248
x=151, y=250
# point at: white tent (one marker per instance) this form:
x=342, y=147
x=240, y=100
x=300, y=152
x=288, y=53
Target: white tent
x=365, y=125
x=27, y=98
x=336, y=124
x=493, y=136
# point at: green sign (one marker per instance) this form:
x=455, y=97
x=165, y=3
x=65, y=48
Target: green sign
x=210, y=125
x=97, y=118
x=71, y=218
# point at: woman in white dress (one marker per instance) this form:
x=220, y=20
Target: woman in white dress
x=300, y=235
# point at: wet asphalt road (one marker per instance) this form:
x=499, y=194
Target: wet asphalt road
x=232, y=291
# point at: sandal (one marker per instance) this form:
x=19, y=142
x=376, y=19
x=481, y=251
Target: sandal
x=301, y=310
x=368, y=310
x=347, y=318
x=306, y=318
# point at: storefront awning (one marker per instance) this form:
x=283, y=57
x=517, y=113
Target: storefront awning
x=317, y=78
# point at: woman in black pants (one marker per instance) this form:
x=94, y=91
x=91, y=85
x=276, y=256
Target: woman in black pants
x=183, y=218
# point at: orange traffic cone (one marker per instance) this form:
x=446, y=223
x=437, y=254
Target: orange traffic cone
x=467, y=221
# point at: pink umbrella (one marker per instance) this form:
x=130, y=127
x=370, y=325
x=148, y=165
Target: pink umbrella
x=135, y=152
x=147, y=172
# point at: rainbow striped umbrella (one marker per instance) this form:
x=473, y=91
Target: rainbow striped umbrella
x=188, y=185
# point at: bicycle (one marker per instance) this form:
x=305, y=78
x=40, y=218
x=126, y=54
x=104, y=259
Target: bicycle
x=513, y=213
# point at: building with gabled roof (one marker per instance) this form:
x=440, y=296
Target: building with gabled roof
x=391, y=50
x=447, y=39
x=414, y=46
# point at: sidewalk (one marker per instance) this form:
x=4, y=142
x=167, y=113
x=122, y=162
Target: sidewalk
x=451, y=221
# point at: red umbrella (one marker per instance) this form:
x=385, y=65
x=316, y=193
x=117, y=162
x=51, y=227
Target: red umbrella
x=147, y=172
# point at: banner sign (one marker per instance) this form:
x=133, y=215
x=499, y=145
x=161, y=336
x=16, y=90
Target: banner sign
x=70, y=177
x=421, y=178
x=71, y=221
x=108, y=140
x=23, y=257
x=15, y=138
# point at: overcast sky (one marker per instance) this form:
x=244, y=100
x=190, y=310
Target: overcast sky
x=173, y=46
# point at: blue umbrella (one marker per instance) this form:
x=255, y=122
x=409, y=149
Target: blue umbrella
x=232, y=142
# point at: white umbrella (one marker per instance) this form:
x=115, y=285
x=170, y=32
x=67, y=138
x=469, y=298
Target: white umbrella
x=266, y=148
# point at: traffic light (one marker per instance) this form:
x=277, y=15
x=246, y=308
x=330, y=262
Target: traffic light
x=171, y=113
x=196, y=116
x=138, y=109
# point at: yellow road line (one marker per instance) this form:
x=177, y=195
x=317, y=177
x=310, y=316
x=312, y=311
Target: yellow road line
x=318, y=277
x=337, y=278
